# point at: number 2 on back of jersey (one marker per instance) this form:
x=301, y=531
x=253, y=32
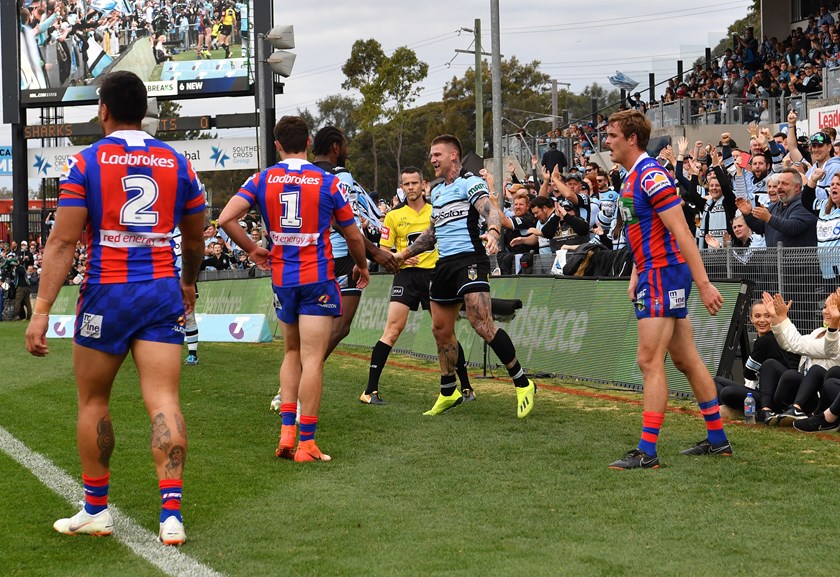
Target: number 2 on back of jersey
x=291, y=210
x=137, y=211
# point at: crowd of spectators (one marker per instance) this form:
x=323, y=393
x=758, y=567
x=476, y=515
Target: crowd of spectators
x=79, y=35
x=220, y=253
x=775, y=190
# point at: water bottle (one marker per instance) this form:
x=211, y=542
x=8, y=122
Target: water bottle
x=749, y=409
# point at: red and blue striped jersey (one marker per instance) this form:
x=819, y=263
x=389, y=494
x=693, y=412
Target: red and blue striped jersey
x=135, y=189
x=298, y=201
x=646, y=191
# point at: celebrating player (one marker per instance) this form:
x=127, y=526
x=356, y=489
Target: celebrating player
x=665, y=261
x=462, y=273
x=411, y=284
x=128, y=191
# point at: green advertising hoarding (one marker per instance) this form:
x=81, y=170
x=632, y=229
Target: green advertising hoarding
x=572, y=327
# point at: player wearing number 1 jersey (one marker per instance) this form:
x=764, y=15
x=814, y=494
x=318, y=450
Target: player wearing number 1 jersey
x=298, y=201
x=128, y=192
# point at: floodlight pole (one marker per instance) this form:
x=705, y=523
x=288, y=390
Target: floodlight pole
x=15, y=114
x=265, y=105
x=263, y=19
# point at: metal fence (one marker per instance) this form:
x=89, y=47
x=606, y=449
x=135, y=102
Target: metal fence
x=795, y=273
x=831, y=82
x=727, y=110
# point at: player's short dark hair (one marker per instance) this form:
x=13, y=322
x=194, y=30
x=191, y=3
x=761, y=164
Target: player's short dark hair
x=292, y=134
x=633, y=122
x=411, y=170
x=124, y=94
x=450, y=140
x=325, y=138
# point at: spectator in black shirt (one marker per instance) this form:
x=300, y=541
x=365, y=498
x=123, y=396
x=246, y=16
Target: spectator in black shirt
x=217, y=260
x=553, y=157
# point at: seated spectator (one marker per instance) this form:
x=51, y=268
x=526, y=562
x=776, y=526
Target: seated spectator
x=780, y=398
x=807, y=82
x=765, y=347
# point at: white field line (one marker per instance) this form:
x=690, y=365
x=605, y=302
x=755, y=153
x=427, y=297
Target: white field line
x=142, y=542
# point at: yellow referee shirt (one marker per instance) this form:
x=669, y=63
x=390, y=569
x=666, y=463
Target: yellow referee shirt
x=402, y=226
x=229, y=17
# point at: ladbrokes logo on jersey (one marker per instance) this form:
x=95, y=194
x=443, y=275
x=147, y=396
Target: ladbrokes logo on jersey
x=151, y=161
x=297, y=179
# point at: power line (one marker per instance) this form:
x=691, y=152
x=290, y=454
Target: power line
x=624, y=20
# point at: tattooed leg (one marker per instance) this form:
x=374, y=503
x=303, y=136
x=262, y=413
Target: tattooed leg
x=95, y=373
x=480, y=314
x=169, y=444
x=105, y=440
x=443, y=328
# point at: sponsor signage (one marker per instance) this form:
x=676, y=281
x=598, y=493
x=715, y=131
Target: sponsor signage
x=220, y=154
x=827, y=116
x=233, y=328
x=5, y=160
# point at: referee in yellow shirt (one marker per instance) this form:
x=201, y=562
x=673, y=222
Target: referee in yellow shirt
x=410, y=289
x=227, y=22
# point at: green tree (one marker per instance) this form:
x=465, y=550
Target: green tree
x=400, y=76
x=361, y=71
x=334, y=110
x=526, y=95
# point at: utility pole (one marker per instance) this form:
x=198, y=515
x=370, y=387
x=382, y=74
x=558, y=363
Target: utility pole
x=554, y=112
x=479, y=86
x=496, y=46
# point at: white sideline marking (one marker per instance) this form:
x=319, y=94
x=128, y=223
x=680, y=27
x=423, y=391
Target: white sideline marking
x=142, y=542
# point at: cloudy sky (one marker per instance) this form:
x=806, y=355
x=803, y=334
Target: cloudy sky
x=577, y=43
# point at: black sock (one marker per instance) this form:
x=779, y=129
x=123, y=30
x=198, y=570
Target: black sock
x=504, y=349
x=447, y=385
x=518, y=375
x=461, y=369
x=378, y=358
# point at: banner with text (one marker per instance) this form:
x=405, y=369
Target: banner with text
x=5, y=160
x=572, y=327
x=827, y=116
x=219, y=154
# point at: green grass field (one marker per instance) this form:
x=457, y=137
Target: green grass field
x=471, y=492
x=189, y=54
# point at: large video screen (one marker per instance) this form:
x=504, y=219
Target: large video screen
x=180, y=48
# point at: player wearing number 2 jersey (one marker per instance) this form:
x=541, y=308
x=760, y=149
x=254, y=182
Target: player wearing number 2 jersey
x=298, y=201
x=128, y=192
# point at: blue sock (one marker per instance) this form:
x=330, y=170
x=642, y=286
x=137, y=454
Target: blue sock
x=170, y=498
x=714, y=424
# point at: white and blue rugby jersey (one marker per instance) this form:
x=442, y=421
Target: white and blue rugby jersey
x=455, y=218
x=362, y=205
